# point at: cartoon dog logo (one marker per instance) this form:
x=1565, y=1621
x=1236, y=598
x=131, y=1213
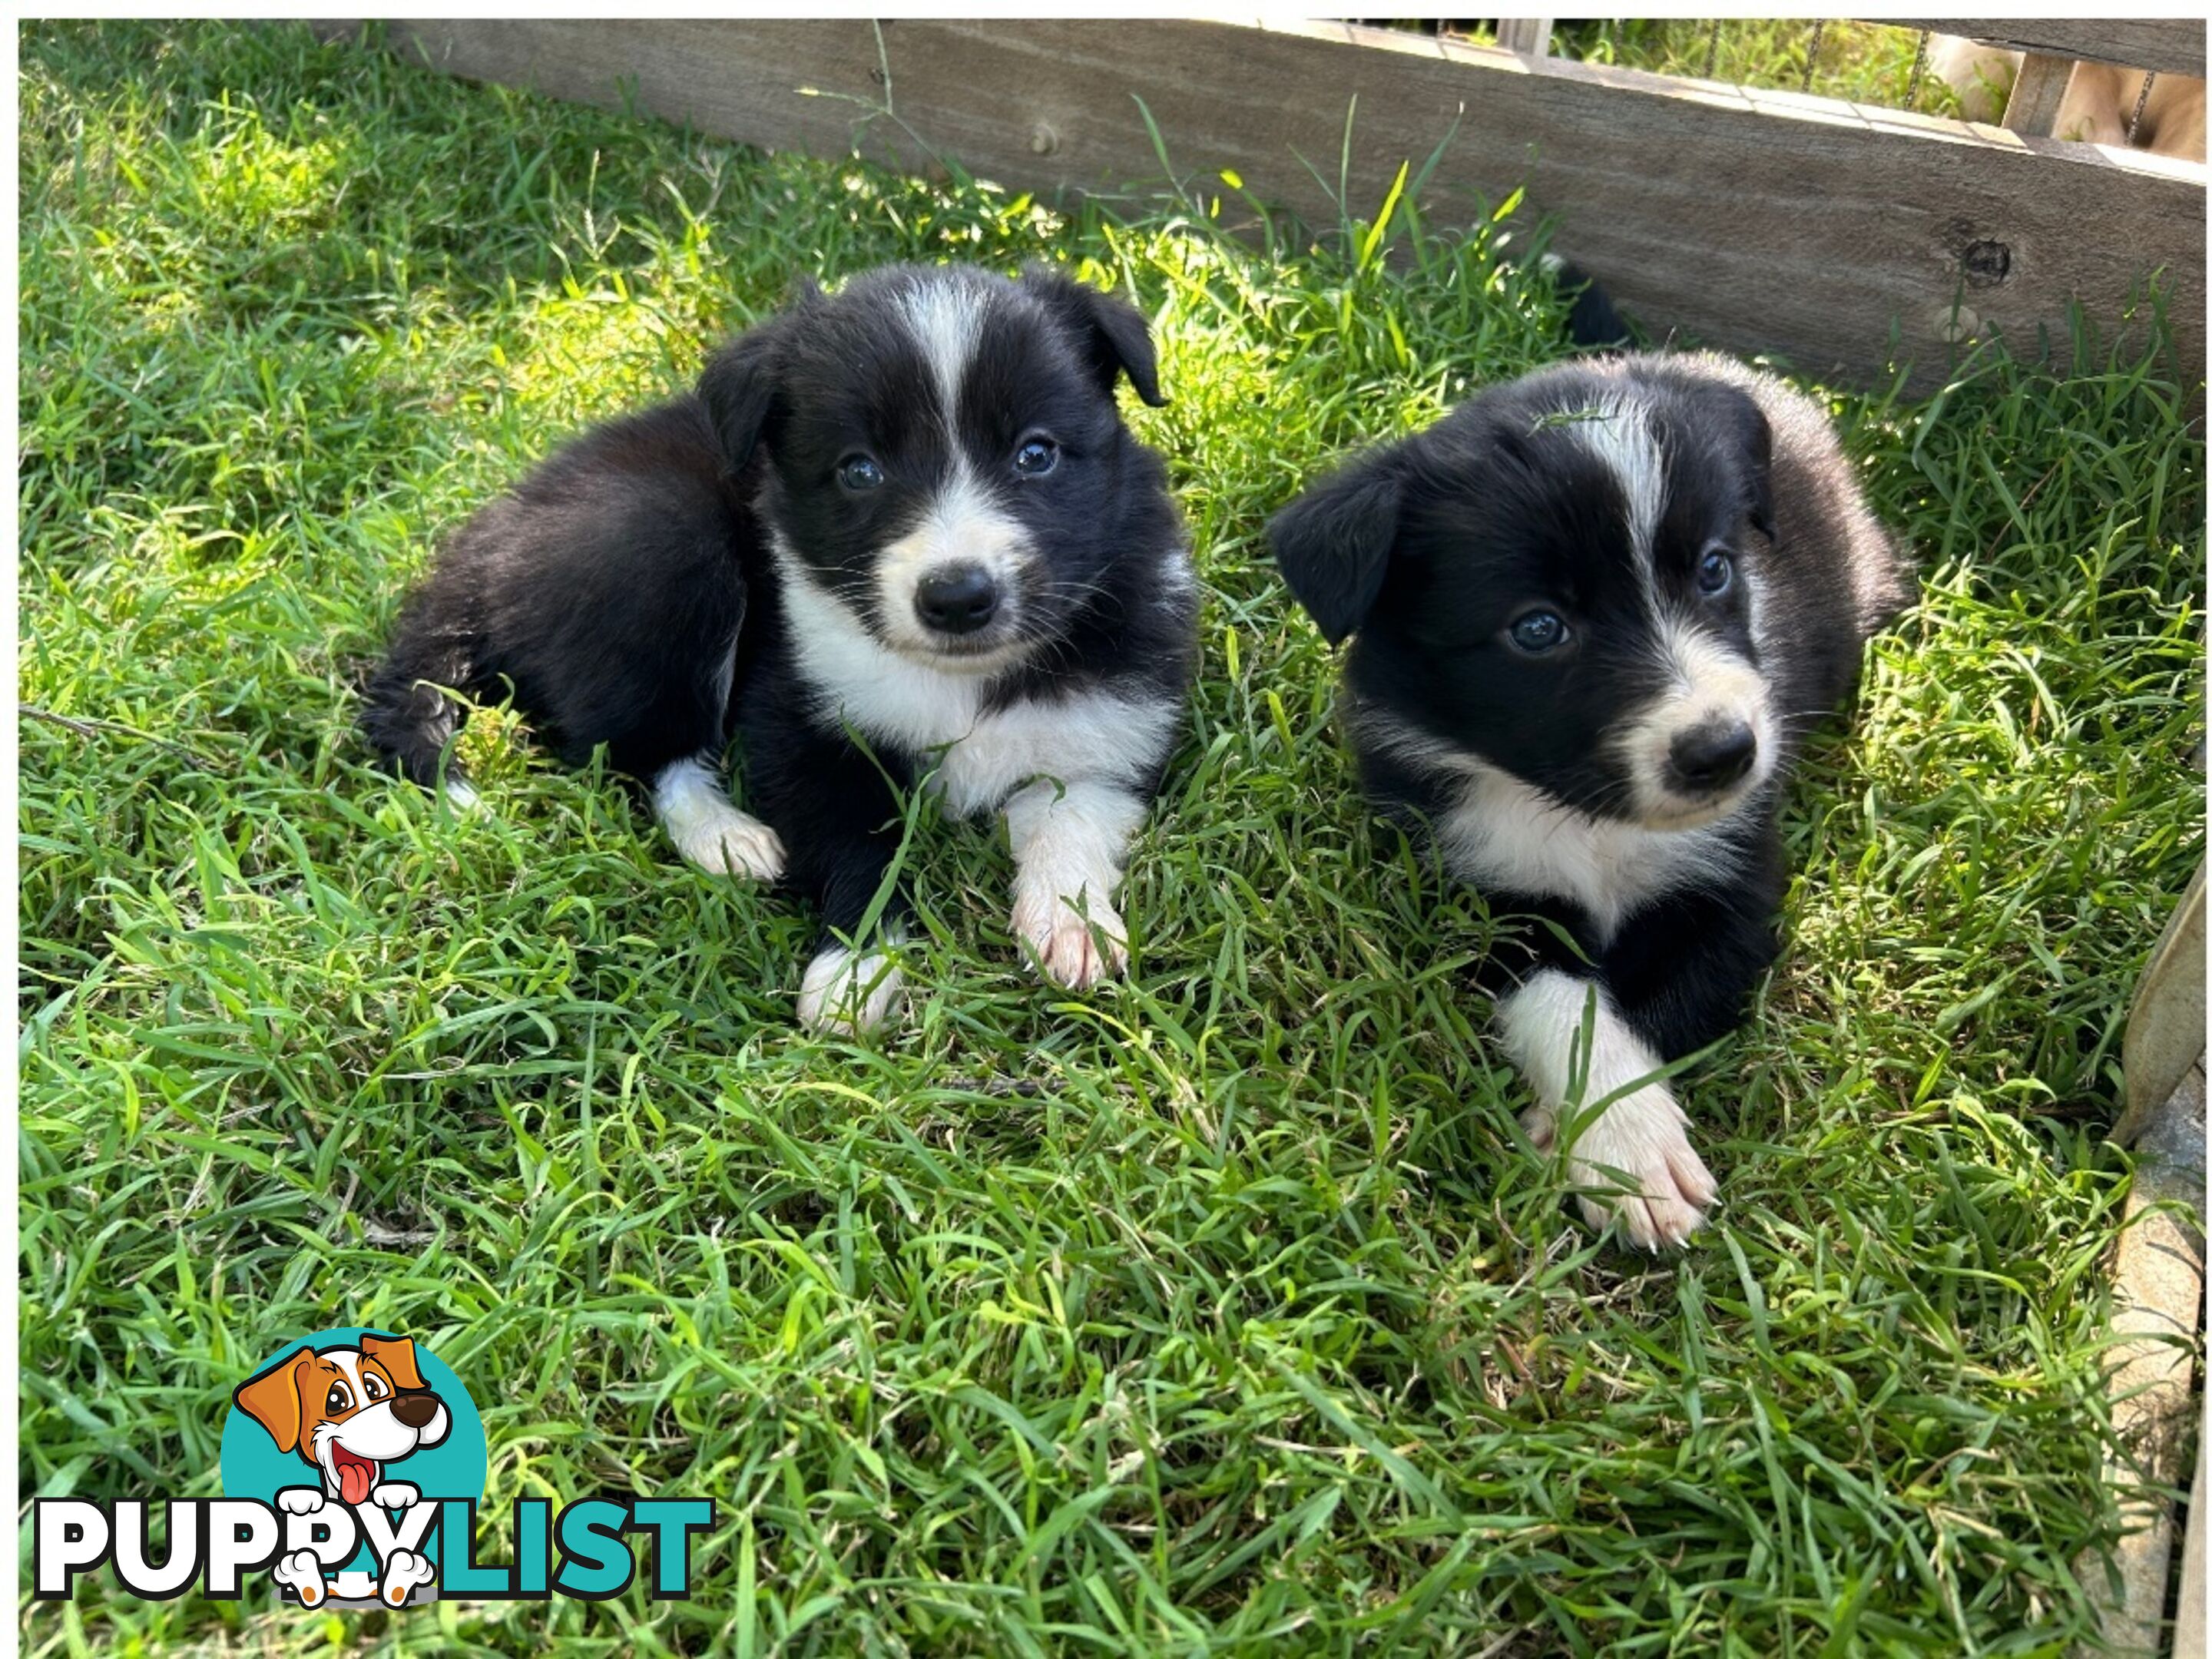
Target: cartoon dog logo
x=349, y=1412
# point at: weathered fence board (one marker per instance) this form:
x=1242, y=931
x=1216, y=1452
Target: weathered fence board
x=2171, y=46
x=2037, y=93
x=1758, y=221
x=1530, y=36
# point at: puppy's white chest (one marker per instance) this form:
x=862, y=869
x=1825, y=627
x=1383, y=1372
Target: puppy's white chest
x=890, y=700
x=1500, y=834
x=980, y=757
x=1094, y=736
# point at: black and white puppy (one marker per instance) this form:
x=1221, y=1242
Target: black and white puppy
x=1596, y=610
x=899, y=537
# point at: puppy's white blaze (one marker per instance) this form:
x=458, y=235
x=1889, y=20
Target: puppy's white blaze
x=850, y=993
x=1704, y=668
x=946, y=318
x=1706, y=683
x=1502, y=833
x=461, y=795
x=1622, y=440
x=1642, y=1136
x=710, y=832
x=1070, y=845
x=961, y=525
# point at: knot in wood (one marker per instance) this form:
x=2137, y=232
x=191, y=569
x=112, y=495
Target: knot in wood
x=1986, y=263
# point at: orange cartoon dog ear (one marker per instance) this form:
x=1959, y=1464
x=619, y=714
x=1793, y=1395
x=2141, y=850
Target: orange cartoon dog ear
x=272, y=1400
x=397, y=1355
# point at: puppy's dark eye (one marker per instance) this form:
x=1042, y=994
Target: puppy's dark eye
x=373, y=1386
x=1716, y=573
x=1539, y=631
x=1035, y=457
x=338, y=1400
x=859, y=473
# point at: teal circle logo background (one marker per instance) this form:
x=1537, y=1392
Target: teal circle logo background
x=455, y=1467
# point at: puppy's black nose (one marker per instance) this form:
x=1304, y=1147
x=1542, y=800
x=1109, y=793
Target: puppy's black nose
x=958, y=598
x=1712, y=757
x=414, y=1410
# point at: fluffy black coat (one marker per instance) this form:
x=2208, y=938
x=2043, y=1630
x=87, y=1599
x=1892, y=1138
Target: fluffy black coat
x=770, y=558
x=1595, y=611
x=607, y=589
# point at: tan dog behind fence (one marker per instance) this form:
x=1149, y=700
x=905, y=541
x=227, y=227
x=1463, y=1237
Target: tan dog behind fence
x=2100, y=103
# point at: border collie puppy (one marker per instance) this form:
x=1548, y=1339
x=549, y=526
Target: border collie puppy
x=899, y=537
x=1596, y=610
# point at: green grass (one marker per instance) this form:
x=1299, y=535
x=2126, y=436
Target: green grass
x=1865, y=62
x=1223, y=1310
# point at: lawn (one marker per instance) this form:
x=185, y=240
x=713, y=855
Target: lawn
x=1856, y=59
x=1221, y=1310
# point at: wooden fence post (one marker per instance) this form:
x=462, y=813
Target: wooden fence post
x=1530, y=36
x=2037, y=92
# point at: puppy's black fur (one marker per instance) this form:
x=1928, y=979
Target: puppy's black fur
x=772, y=556
x=608, y=588
x=1596, y=610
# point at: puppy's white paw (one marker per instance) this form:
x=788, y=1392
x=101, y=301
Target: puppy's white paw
x=396, y=1495
x=845, y=994
x=402, y=1570
x=1662, y=1189
x=724, y=842
x=302, y=1572
x=694, y=807
x=1070, y=949
x=300, y=1500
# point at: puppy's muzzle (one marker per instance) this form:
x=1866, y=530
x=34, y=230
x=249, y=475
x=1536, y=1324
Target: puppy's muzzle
x=1710, y=756
x=957, y=599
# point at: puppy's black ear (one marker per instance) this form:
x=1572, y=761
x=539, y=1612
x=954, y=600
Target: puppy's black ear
x=738, y=385
x=1736, y=412
x=1114, y=332
x=1333, y=543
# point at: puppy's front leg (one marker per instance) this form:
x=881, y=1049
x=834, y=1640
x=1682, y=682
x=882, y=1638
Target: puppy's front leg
x=1635, y=1151
x=1070, y=842
x=850, y=991
x=694, y=805
x=835, y=815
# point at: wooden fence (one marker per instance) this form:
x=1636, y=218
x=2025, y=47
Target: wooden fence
x=1841, y=236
